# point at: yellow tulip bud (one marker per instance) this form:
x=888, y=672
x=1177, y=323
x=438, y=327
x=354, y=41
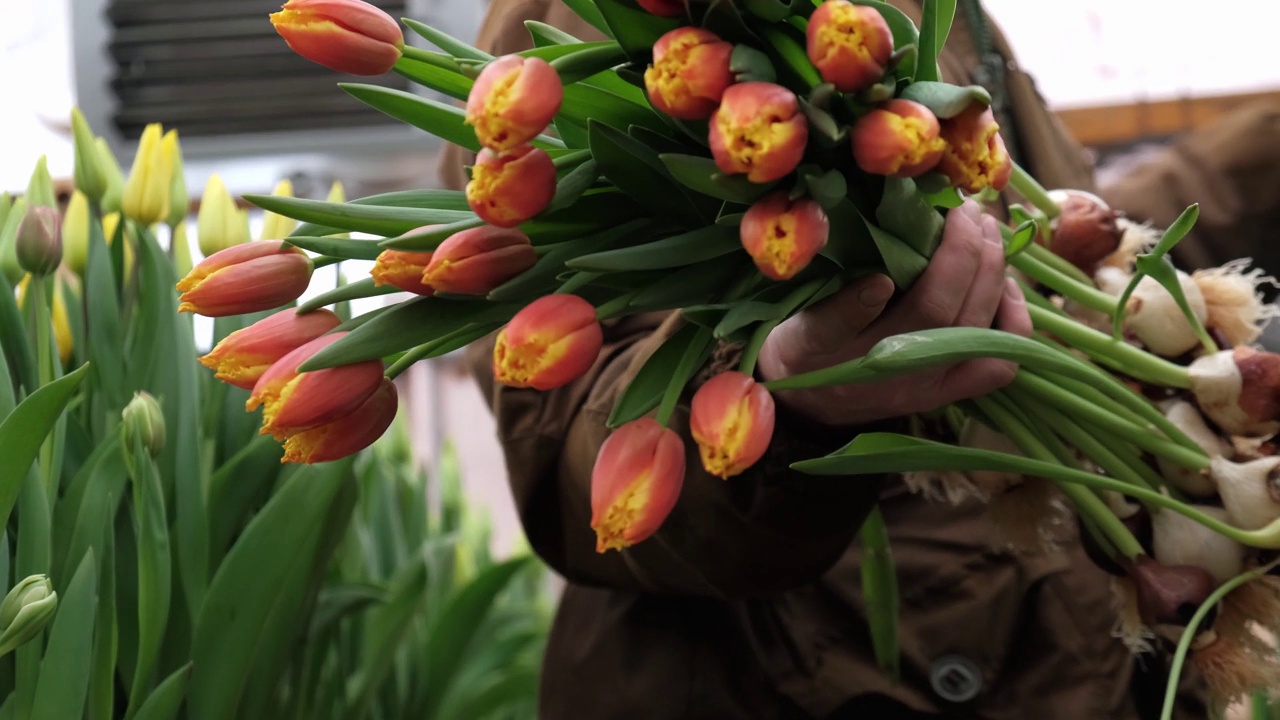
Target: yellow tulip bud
x=40, y=187
x=179, y=202
x=146, y=192
x=75, y=233
x=278, y=227
x=219, y=224
x=181, y=250
x=90, y=175
x=62, y=324
x=110, y=223
x=114, y=194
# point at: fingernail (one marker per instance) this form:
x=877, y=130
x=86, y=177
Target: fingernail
x=1013, y=291
x=876, y=293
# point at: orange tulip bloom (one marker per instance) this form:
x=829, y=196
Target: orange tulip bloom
x=402, y=269
x=782, y=236
x=690, y=73
x=513, y=100
x=900, y=138
x=292, y=401
x=732, y=422
x=635, y=483
x=849, y=44
x=242, y=357
x=348, y=434
x=553, y=341
x=244, y=279
x=508, y=188
x=349, y=36
x=758, y=130
x=975, y=157
x=475, y=261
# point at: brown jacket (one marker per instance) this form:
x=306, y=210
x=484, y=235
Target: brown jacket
x=746, y=604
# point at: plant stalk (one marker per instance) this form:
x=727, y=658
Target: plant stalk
x=1134, y=361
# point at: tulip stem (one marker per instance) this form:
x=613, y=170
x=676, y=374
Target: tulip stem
x=1133, y=361
x=435, y=59
x=440, y=346
x=573, y=158
x=324, y=261
x=1047, y=257
x=37, y=305
x=614, y=307
x=1189, y=633
x=1085, y=294
x=1033, y=191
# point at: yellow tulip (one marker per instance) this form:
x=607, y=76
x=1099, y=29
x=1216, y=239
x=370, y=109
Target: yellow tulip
x=179, y=202
x=110, y=223
x=114, y=193
x=219, y=224
x=75, y=233
x=61, y=321
x=91, y=177
x=181, y=250
x=278, y=227
x=146, y=192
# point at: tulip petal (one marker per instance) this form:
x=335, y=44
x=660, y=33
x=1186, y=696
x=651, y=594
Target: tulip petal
x=347, y=435
x=260, y=284
x=242, y=357
x=731, y=419
x=635, y=484
x=402, y=269
x=550, y=343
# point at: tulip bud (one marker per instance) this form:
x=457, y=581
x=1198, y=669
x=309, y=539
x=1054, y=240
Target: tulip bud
x=975, y=157
x=181, y=250
x=663, y=8
x=508, y=188
x=403, y=269
x=90, y=176
x=553, y=341
x=61, y=322
x=113, y=196
x=8, y=239
x=732, y=422
x=144, y=422
x=1239, y=390
x=690, y=73
x=218, y=223
x=244, y=279
x=513, y=100
x=475, y=261
x=348, y=434
x=292, y=401
x=278, y=227
x=899, y=139
x=179, y=201
x=75, y=233
x=758, y=130
x=849, y=44
x=349, y=36
x=40, y=186
x=243, y=356
x=783, y=236
x=39, y=241
x=25, y=611
x=1085, y=231
x=146, y=192
x=635, y=483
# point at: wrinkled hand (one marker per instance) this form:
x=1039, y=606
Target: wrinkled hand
x=964, y=286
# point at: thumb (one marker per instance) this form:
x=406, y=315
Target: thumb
x=832, y=326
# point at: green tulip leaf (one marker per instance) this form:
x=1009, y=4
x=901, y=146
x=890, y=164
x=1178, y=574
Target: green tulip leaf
x=944, y=99
x=702, y=175
x=645, y=390
x=372, y=219
x=445, y=41
x=935, y=25
x=906, y=213
x=678, y=251
x=24, y=430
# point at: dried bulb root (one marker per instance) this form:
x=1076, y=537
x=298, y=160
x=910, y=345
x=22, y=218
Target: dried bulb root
x=1235, y=306
x=1129, y=628
x=1233, y=670
x=1135, y=238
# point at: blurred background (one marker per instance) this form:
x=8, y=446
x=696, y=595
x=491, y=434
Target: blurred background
x=1127, y=77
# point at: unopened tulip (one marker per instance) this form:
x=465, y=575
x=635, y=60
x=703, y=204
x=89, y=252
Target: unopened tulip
x=348, y=434
x=663, y=8
x=292, y=401
x=849, y=44
x=899, y=139
x=146, y=192
x=113, y=196
x=25, y=611
x=513, y=100
x=349, y=36
x=402, y=269
x=39, y=240
x=179, y=201
x=732, y=422
x=690, y=73
x=782, y=236
x=143, y=420
x=60, y=319
x=508, y=188
x=274, y=226
x=1085, y=231
x=243, y=356
x=975, y=157
x=758, y=130
x=635, y=483
x=553, y=341
x=75, y=233
x=244, y=279
x=475, y=261
x=1239, y=390
x=91, y=178
x=218, y=223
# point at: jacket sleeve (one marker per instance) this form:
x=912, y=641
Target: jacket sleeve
x=1232, y=169
x=766, y=530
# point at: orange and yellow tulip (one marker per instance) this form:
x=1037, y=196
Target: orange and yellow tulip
x=758, y=130
x=242, y=357
x=292, y=401
x=508, y=188
x=348, y=434
x=553, y=341
x=244, y=279
x=403, y=269
x=975, y=157
x=690, y=73
x=349, y=36
x=731, y=420
x=635, y=483
x=513, y=100
x=849, y=44
x=900, y=139
x=475, y=261
x=782, y=236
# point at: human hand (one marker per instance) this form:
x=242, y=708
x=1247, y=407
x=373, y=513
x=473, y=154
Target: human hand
x=964, y=286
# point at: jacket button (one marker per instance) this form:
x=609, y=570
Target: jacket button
x=955, y=679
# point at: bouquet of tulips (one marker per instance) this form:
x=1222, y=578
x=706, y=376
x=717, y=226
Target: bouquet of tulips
x=738, y=162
